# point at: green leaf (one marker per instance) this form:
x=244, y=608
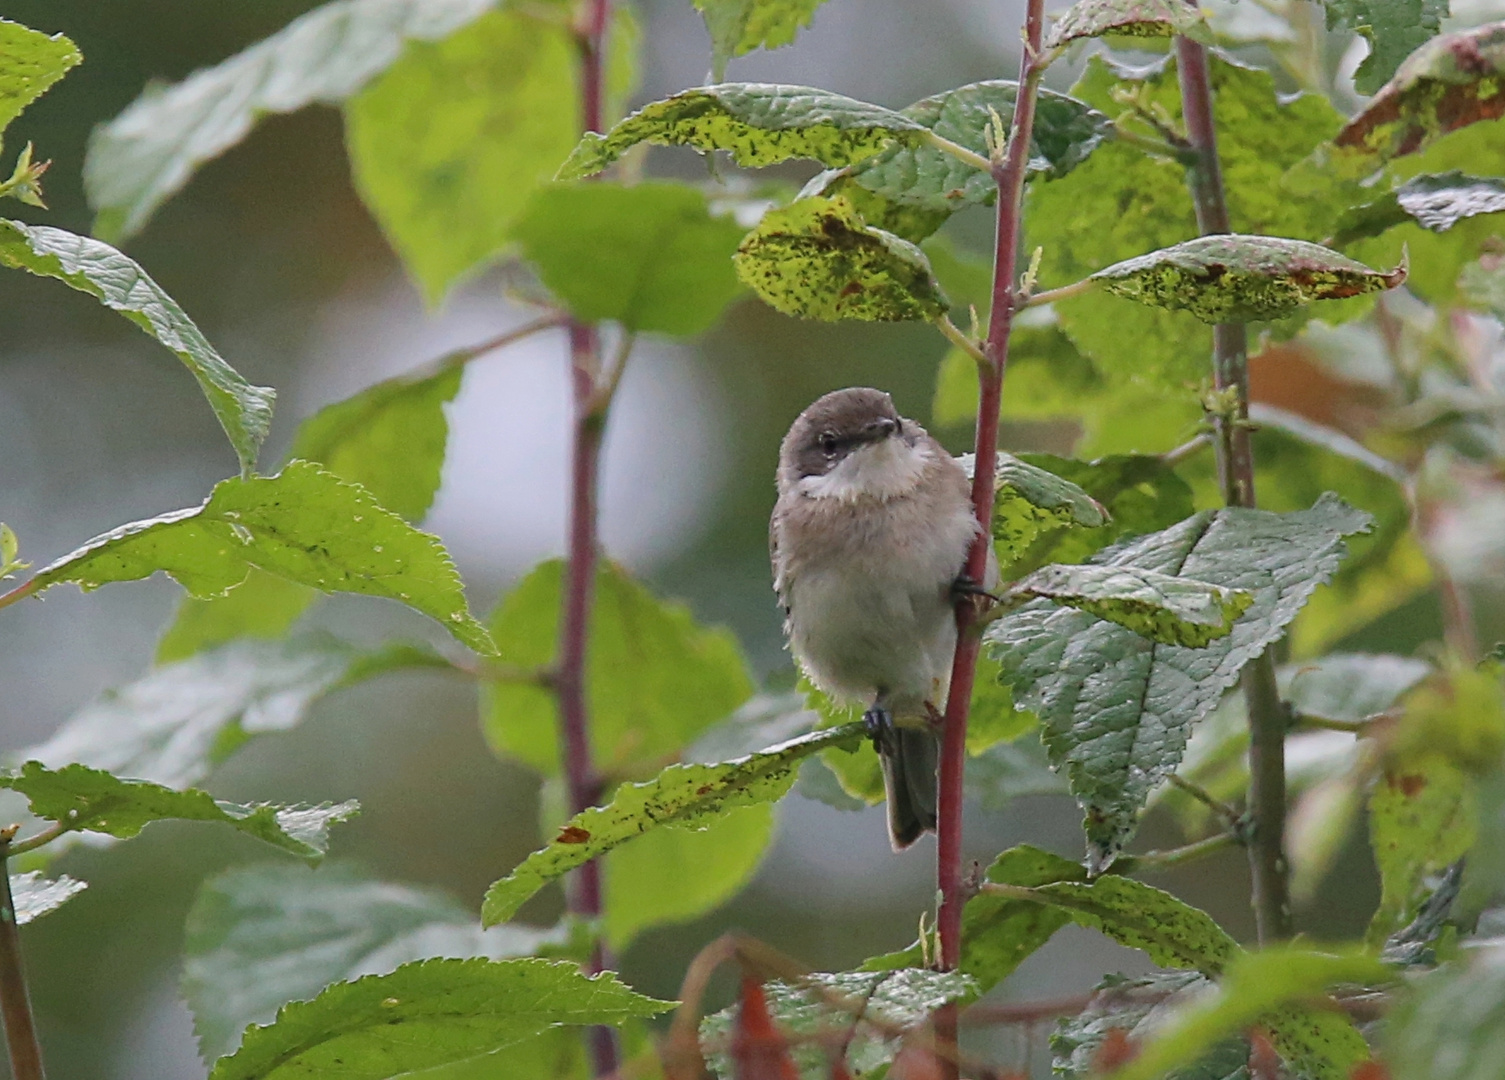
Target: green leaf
x=1029, y=501
x=1168, y=609
x=1423, y=815
x=757, y=123
x=262, y=606
x=672, y=875
x=898, y=999
x=177, y=722
x=34, y=895
x=1172, y=933
x=305, y=525
x=920, y=175
x=1236, y=278
x=1122, y=202
x=1435, y=201
x=426, y=1014
x=1141, y=493
x=1048, y=376
x=1136, y=1009
x=1016, y=766
x=30, y=62
x=260, y=936
x=1448, y=83
x=1394, y=29
x=147, y=153
x=389, y=438
x=817, y=259
x=656, y=679
x=999, y=932
x=1128, y=18
x=652, y=256
x=449, y=144
x=91, y=800
x=737, y=27
x=1450, y=1023
x=1265, y=987
x=93, y=267
x=1116, y=708
x=682, y=796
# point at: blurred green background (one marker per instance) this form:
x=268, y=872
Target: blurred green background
x=269, y=250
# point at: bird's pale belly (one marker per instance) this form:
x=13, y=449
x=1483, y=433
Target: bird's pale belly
x=858, y=634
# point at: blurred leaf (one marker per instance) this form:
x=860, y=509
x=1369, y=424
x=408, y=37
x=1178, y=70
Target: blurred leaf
x=900, y=998
x=817, y=259
x=672, y=875
x=303, y=524
x=757, y=123
x=758, y=723
x=147, y=153
x=993, y=718
x=389, y=438
x=448, y=145
x=262, y=606
x=91, y=800
x=656, y=679
x=1168, y=609
x=177, y=722
x=1011, y=768
x=1393, y=28
x=1423, y=815
x=1435, y=201
x=681, y=796
x=737, y=27
x=1448, y=83
x=1128, y=18
x=1048, y=377
x=92, y=267
x=1450, y=1023
x=34, y=895
x=1242, y=278
x=1130, y=1011
x=1122, y=202
x=30, y=62
x=651, y=256
x=1116, y=708
x=908, y=221
x=426, y=1014
x=260, y=936
x=1266, y=987
x=1349, y=687
x=1141, y=493
x=1459, y=714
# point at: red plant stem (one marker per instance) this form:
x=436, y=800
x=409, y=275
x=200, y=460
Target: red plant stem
x=1267, y=716
x=15, y=1003
x=1009, y=174
x=584, y=784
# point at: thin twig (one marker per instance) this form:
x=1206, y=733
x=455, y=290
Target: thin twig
x=1159, y=860
x=1207, y=799
x=20, y=592
x=1161, y=147
x=15, y=1002
x=1050, y=296
x=958, y=151
x=962, y=340
x=606, y=388
x=1187, y=450
x=46, y=836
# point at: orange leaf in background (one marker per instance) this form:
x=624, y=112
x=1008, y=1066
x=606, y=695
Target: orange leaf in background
x=1370, y=1070
x=1264, y=1062
x=916, y=1061
x=1116, y=1050
x=758, y=1047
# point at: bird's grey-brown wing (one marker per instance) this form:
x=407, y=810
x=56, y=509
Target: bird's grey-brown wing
x=780, y=577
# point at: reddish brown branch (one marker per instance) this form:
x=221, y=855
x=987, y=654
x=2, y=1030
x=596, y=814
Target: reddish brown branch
x=1009, y=174
x=15, y=1002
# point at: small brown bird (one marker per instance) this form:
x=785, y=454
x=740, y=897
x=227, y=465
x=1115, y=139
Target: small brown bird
x=869, y=540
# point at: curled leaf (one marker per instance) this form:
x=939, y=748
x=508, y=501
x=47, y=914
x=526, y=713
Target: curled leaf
x=1129, y=18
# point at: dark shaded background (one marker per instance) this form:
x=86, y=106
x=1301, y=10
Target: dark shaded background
x=271, y=253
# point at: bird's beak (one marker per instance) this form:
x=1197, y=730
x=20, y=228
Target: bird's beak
x=879, y=429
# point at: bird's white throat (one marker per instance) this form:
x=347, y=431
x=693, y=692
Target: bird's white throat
x=885, y=469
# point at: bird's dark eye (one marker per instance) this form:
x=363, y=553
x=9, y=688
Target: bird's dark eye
x=828, y=444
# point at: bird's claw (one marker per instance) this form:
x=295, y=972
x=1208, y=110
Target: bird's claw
x=964, y=587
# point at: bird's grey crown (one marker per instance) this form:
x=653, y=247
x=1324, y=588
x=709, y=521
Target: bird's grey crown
x=835, y=425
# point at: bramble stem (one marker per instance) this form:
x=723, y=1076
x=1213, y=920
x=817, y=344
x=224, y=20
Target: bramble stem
x=584, y=784
x=15, y=1002
x=1009, y=174
x=1267, y=717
